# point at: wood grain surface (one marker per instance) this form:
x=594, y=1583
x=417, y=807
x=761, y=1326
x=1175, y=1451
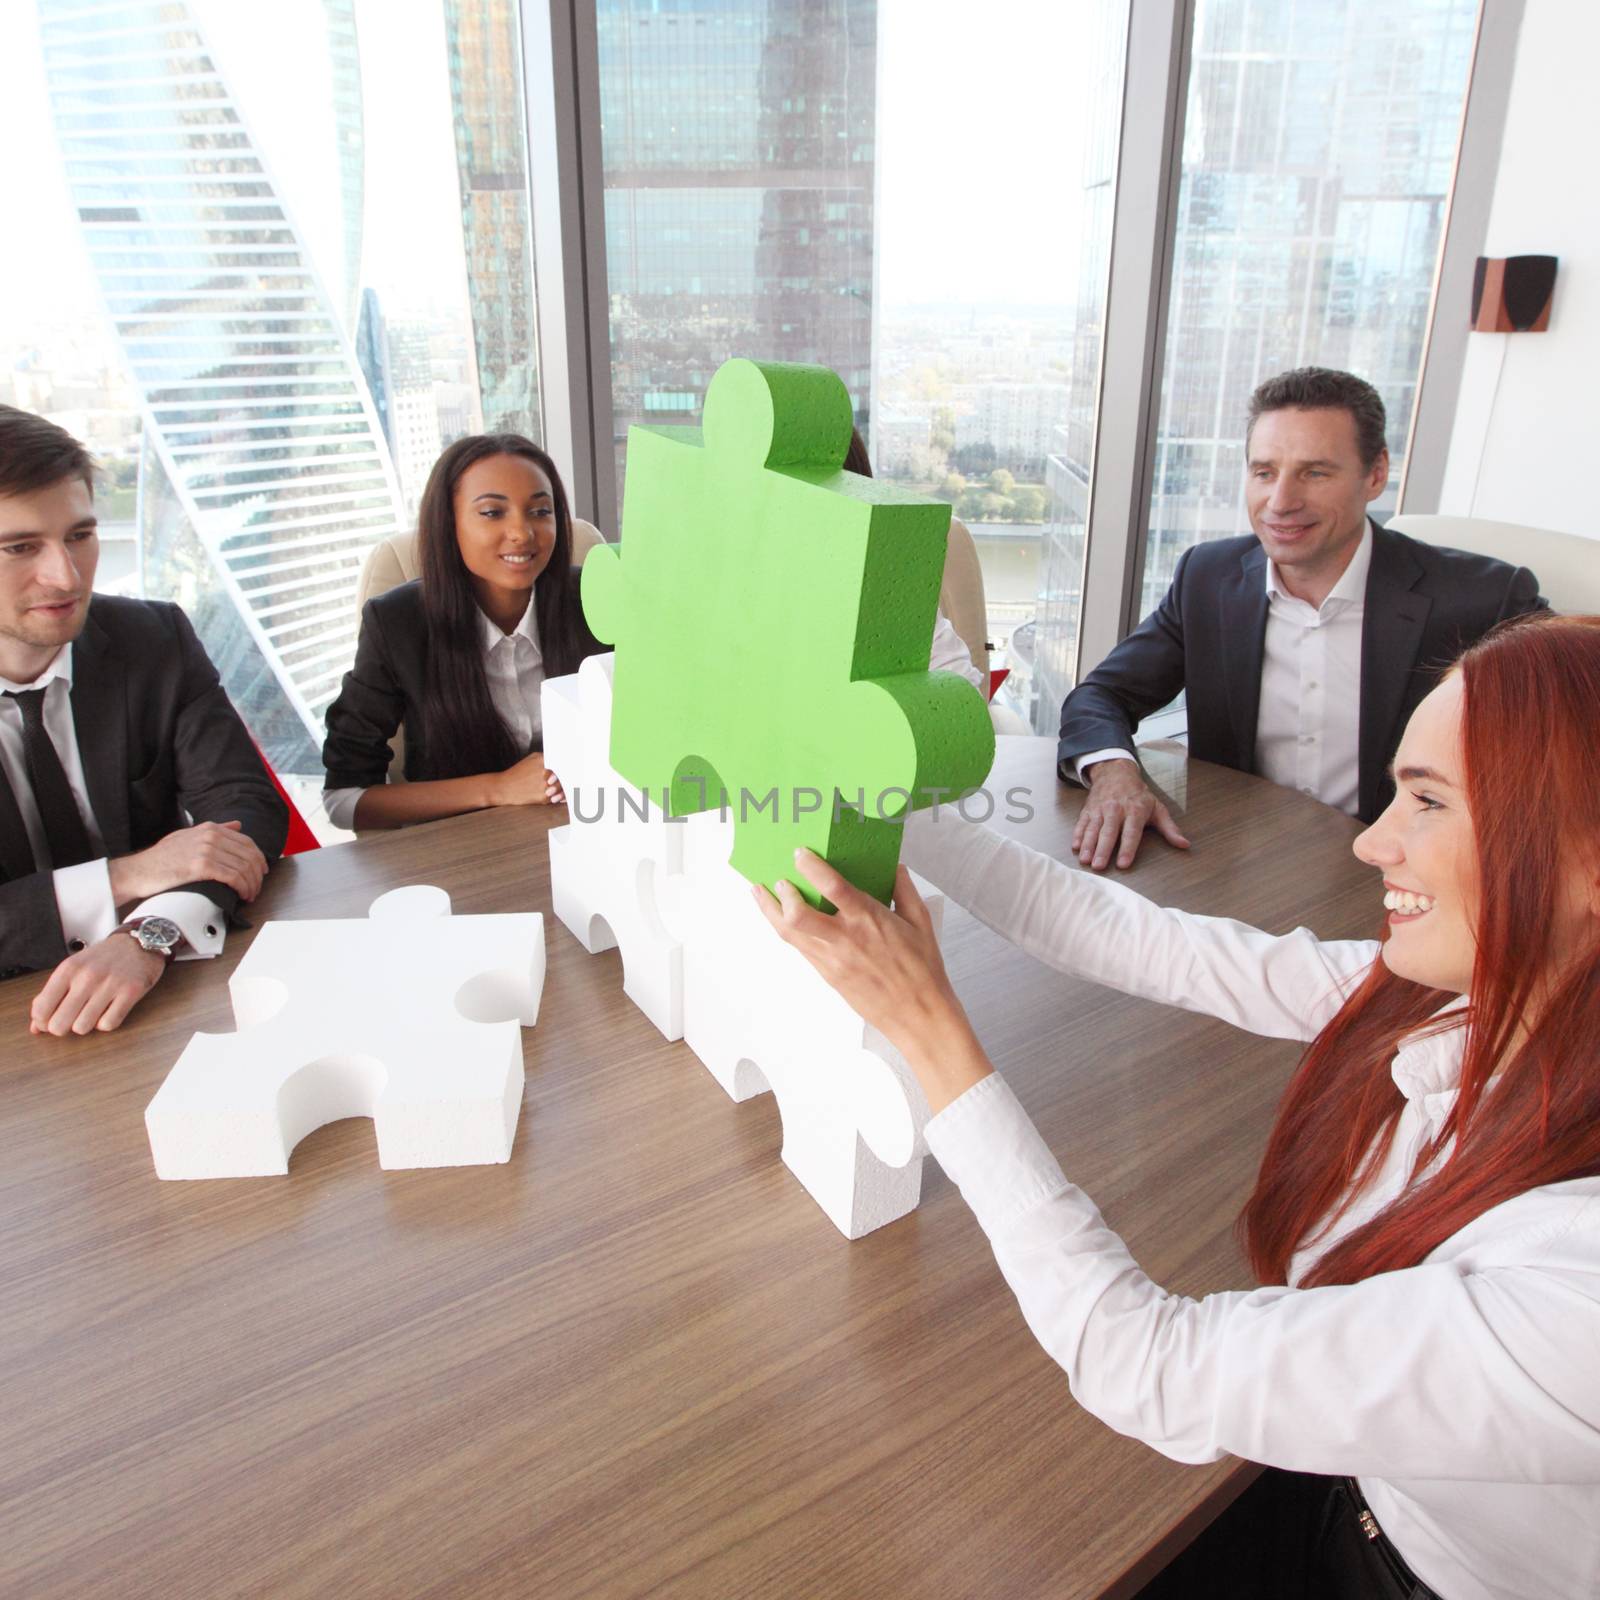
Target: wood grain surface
x=637, y=1359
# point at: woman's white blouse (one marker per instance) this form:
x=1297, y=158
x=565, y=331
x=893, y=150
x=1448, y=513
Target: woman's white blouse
x=1464, y=1392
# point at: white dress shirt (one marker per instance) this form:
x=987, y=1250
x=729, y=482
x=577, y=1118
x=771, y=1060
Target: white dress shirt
x=1308, y=723
x=513, y=666
x=1464, y=1393
x=83, y=892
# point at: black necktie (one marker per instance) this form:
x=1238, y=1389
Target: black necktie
x=64, y=831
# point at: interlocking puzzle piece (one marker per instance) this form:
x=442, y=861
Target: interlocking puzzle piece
x=773, y=617
x=760, y=1017
x=409, y=1016
x=604, y=863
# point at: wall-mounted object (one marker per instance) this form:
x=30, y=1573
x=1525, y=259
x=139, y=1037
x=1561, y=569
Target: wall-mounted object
x=1512, y=294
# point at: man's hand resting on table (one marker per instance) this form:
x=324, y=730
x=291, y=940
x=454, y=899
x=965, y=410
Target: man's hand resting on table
x=1119, y=808
x=96, y=988
x=209, y=852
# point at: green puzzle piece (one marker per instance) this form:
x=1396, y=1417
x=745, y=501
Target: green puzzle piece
x=772, y=616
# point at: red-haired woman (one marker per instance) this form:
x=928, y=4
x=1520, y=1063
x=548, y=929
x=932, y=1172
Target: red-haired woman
x=1425, y=1357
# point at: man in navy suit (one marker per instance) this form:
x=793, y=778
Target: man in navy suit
x=135, y=813
x=1303, y=648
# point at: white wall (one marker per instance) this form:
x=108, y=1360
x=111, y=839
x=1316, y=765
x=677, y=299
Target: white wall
x=1526, y=442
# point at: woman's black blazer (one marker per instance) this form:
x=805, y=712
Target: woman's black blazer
x=382, y=690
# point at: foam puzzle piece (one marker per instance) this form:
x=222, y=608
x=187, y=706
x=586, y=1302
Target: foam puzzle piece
x=760, y=1018
x=409, y=1016
x=604, y=863
x=773, y=616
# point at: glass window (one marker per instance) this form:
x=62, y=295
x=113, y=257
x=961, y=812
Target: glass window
x=738, y=148
x=267, y=311
x=1317, y=158
x=1102, y=48
x=794, y=180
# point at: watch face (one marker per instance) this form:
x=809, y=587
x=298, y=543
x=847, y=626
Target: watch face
x=159, y=933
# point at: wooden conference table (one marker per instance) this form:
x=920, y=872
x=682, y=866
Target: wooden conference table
x=637, y=1359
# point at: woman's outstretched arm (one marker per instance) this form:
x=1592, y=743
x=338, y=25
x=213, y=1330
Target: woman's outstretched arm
x=1090, y=927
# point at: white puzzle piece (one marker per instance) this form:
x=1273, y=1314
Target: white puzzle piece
x=760, y=1017
x=606, y=862
x=700, y=961
x=409, y=1016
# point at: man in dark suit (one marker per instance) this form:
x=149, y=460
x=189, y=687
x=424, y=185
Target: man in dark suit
x=1304, y=648
x=113, y=726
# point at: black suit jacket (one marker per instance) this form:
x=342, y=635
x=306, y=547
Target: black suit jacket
x=385, y=689
x=1424, y=606
x=382, y=691
x=158, y=737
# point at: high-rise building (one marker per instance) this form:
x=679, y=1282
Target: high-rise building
x=344, y=54
x=372, y=356
x=1317, y=160
x=738, y=145
x=485, y=51
x=1017, y=421
x=1318, y=149
x=413, y=412
x=265, y=476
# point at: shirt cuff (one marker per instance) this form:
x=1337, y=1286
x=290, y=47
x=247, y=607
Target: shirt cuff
x=989, y=1146
x=339, y=805
x=203, y=924
x=83, y=902
x=1116, y=753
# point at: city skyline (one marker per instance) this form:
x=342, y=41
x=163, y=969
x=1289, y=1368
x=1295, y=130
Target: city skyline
x=264, y=477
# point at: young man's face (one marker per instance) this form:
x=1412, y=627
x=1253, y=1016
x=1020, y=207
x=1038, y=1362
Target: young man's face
x=48, y=553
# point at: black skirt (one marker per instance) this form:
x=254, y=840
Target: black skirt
x=1291, y=1536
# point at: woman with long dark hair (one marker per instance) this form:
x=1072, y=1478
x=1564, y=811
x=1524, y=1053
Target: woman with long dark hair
x=1420, y=1372
x=458, y=654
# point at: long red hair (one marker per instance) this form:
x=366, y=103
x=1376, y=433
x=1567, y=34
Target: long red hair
x=1532, y=699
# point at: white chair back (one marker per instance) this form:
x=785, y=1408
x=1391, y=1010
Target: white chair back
x=1566, y=564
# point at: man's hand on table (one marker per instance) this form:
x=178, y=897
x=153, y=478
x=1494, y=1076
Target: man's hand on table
x=95, y=989
x=1119, y=808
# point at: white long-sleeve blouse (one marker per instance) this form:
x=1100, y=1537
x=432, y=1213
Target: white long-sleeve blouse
x=1464, y=1393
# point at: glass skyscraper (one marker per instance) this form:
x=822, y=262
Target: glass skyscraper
x=485, y=65
x=738, y=146
x=265, y=477
x=1318, y=147
x=1317, y=160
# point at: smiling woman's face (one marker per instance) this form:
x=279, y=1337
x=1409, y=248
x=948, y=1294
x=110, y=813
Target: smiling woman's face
x=1425, y=847
x=505, y=527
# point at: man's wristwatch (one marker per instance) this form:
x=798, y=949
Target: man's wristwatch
x=159, y=934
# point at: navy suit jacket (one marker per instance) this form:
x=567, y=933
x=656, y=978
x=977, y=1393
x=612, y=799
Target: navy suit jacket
x=1424, y=606
x=159, y=738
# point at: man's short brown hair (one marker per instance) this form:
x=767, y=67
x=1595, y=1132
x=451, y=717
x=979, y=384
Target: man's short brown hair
x=1324, y=389
x=35, y=453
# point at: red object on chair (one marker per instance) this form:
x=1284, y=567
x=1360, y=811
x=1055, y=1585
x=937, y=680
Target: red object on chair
x=300, y=835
